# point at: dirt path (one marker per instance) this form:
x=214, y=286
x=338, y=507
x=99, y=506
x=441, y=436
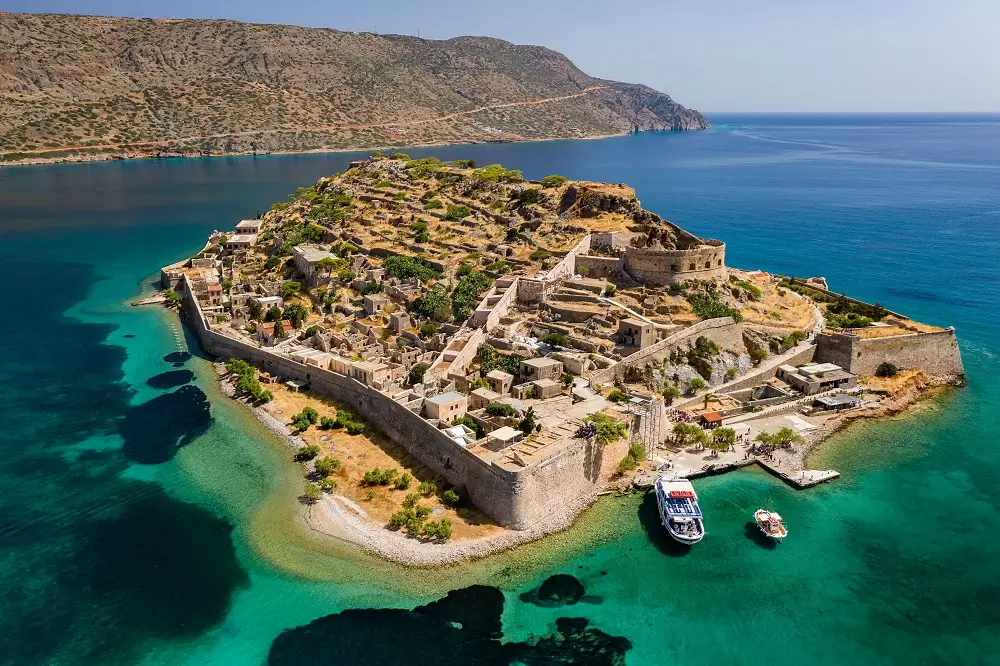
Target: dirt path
x=321, y=128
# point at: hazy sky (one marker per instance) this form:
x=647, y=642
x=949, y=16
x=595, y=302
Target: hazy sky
x=713, y=55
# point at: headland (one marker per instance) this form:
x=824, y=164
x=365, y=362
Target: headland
x=464, y=359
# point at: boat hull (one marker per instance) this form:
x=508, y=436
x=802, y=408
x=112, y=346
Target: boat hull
x=770, y=529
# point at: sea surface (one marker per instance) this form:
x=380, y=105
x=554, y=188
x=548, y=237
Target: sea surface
x=144, y=519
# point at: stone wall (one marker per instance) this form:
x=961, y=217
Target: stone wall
x=513, y=498
x=935, y=353
x=723, y=331
x=599, y=267
x=662, y=267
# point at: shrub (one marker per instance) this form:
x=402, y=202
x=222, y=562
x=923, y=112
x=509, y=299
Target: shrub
x=416, y=374
x=313, y=493
x=710, y=306
x=500, y=409
x=671, y=393
x=886, y=369
x=405, y=268
x=758, y=355
x=529, y=196
x=457, y=212
x=553, y=180
x=327, y=485
x=567, y=379
x=556, y=339
x=435, y=304
x=355, y=428
x=450, y=497
x=380, y=477
x=607, y=430
x=403, y=482
x=327, y=466
x=471, y=425
x=467, y=293
x=617, y=395
x=437, y=529
x=637, y=451
x=307, y=453
x=311, y=414
x=500, y=267
x=697, y=384
x=427, y=488
x=539, y=255
x=428, y=329
x=432, y=204
x=626, y=465
x=491, y=359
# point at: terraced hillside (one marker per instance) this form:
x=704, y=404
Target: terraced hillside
x=73, y=86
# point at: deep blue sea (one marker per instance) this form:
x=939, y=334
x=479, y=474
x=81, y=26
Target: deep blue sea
x=144, y=519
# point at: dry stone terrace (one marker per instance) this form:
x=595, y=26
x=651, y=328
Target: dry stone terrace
x=502, y=313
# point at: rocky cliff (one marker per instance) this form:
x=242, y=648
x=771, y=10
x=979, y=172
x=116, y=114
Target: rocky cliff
x=93, y=86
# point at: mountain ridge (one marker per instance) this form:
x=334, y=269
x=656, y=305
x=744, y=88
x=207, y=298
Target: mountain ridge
x=100, y=87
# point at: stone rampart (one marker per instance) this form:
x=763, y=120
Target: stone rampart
x=663, y=267
x=935, y=353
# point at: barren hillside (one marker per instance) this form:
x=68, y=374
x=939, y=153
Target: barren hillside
x=92, y=86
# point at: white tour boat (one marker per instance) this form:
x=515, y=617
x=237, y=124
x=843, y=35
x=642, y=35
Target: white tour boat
x=679, y=510
x=770, y=524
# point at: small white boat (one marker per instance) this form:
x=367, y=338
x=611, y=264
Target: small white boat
x=770, y=524
x=679, y=510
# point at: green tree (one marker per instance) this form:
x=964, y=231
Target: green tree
x=173, y=298
x=697, y=384
x=416, y=374
x=686, y=434
x=606, y=429
x=527, y=424
x=785, y=437
x=428, y=329
x=886, y=369
x=273, y=313
x=435, y=304
x=279, y=329
x=567, y=379
x=313, y=493
x=671, y=393
x=296, y=314
x=722, y=439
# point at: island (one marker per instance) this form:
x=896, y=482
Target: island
x=464, y=359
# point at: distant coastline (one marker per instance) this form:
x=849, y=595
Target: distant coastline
x=152, y=156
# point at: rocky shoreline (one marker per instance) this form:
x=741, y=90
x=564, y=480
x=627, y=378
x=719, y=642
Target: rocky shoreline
x=161, y=155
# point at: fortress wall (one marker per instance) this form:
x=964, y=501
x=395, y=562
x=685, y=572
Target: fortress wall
x=935, y=353
x=614, y=240
x=503, y=306
x=511, y=498
x=662, y=267
x=598, y=267
x=723, y=331
x=567, y=265
x=530, y=290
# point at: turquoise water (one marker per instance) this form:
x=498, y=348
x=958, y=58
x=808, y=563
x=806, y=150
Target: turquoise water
x=146, y=520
